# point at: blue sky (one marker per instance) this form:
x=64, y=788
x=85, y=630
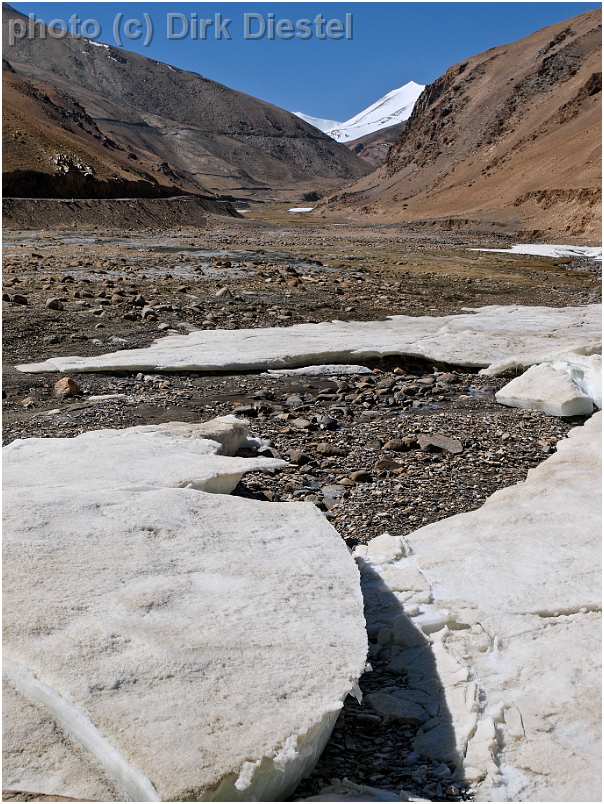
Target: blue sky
x=392, y=43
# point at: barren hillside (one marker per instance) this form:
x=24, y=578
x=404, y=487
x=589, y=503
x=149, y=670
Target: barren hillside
x=184, y=129
x=508, y=140
x=374, y=147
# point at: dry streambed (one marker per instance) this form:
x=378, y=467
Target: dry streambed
x=405, y=445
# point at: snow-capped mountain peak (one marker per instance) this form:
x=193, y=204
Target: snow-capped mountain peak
x=395, y=107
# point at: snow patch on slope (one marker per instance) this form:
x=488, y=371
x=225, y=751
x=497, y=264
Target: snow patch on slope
x=548, y=250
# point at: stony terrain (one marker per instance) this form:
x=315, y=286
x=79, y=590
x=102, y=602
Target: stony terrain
x=407, y=445
x=143, y=201
x=89, y=294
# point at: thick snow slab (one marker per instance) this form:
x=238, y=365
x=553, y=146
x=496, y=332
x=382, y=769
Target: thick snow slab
x=163, y=642
x=501, y=619
x=549, y=250
x=175, y=455
x=568, y=387
x=512, y=335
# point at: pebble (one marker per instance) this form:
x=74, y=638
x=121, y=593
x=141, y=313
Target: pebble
x=299, y=457
x=361, y=476
x=401, y=444
x=440, y=442
x=327, y=449
x=245, y=410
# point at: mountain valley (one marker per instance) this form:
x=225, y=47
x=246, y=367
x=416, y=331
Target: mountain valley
x=302, y=430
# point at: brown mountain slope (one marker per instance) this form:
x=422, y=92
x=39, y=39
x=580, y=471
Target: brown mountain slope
x=53, y=148
x=202, y=135
x=374, y=147
x=509, y=140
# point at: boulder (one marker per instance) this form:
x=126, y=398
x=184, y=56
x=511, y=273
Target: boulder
x=164, y=642
x=439, y=443
x=66, y=387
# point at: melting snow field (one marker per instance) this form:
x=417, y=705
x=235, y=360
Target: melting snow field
x=164, y=642
x=498, y=629
x=547, y=250
x=193, y=645
x=503, y=337
x=301, y=209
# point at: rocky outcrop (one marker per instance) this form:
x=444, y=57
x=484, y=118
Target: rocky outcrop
x=164, y=642
x=494, y=617
x=374, y=148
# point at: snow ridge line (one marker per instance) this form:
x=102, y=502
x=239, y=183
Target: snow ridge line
x=82, y=730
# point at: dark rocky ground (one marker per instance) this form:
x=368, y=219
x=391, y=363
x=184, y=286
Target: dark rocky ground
x=354, y=443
